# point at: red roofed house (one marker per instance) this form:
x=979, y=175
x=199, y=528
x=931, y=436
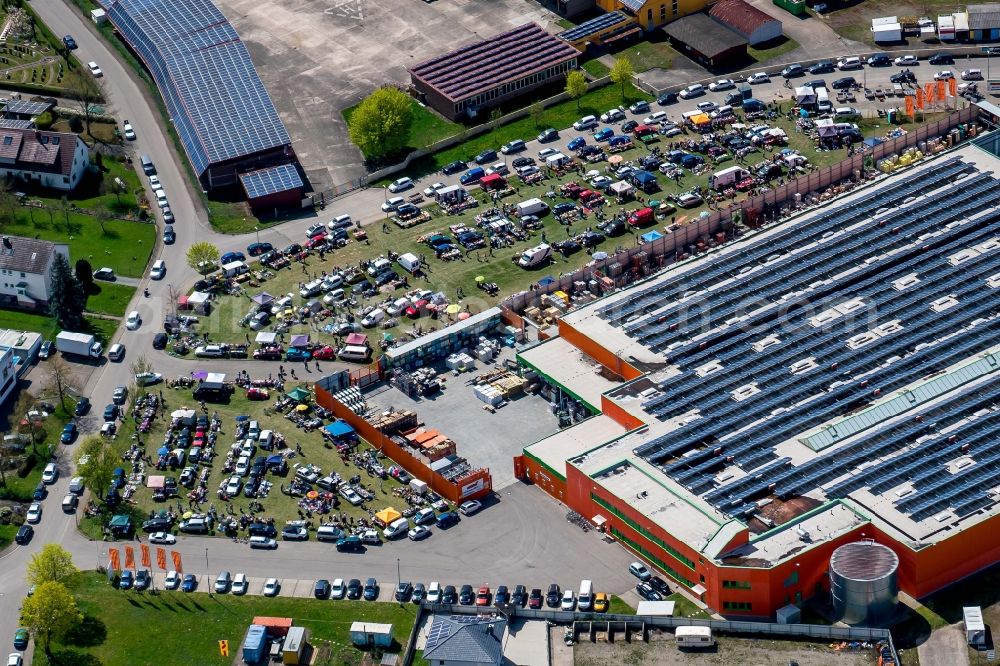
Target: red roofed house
x=56, y=160
x=746, y=20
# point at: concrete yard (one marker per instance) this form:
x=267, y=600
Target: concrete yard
x=484, y=439
x=661, y=651
x=318, y=57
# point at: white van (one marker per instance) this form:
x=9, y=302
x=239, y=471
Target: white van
x=409, y=261
x=846, y=113
x=234, y=268
x=266, y=439
x=726, y=177
x=532, y=207
x=397, y=528
x=356, y=353
x=158, y=270
x=373, y=318
x=535, y=256
x=329, y=533
x=116, y=352
x=69, y=503
x=693, y=90
x=585, y=599
x=694, y=637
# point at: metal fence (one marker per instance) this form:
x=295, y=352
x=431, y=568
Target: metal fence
x=631, y=264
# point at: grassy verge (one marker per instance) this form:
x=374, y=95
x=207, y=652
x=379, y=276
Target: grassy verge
x=110, y=298
x=619, y=606
x=124, y=246
x=772, y=49
x=648, y=55
x=176, y=629
x=42, y=323
x=596, y=68
x=684, y=607
x=7, y=533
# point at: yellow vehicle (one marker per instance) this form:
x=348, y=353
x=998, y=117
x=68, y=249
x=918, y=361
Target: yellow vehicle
x=600, y=602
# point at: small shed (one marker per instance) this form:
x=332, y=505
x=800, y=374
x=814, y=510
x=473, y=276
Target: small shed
x=975, y=628
x=294, y=646
x=98, y=16
x=214, y=381
x=254, y=644
x=371, y=634
x=886, y=29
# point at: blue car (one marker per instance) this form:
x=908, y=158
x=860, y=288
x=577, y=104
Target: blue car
x=230, y=257
x=68, y=433
x=447, y=519
x=604, y=134
x=577, y=143
x=473, y=175
x=691, y=161
x=190, y=583
x=297, y=354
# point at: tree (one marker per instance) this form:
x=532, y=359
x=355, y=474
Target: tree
x=495, y=116
x=87, y=95
x=27, y=423
x=576, y=86
x=100, y=465
x=60, y=377
x=622, y=72
x=50, y=611
x=141, y=366
x=52, y=564
x=202, y=256
x=67, y=298
x=85, y=274
x=536, y=111
x=380, y=125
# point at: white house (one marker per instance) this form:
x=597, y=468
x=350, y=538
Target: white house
x=56, y=160
x=8, y=376
x=24, y=270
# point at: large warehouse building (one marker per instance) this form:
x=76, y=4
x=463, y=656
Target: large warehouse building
x=227, y=122
x=478, y=76
x=829, y=380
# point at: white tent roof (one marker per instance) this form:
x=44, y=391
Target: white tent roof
x=215, y=379
x=265, y=337
x=621, y=187
x=198, y=297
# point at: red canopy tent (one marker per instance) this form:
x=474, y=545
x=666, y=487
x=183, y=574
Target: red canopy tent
x=359, y=339
x=494, y=180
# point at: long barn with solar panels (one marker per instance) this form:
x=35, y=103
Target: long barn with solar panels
x=226, y=121
x=829, y=379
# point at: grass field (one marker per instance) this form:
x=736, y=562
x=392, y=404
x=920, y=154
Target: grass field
x=124, y=246
x=177, y=629
x=7, y=533
x=648, y=55
x=20, y=488
x=595, y=68
x=110, y=298
x=44, y=324
x=619, y=606
x=772, y=49
x=276, y=505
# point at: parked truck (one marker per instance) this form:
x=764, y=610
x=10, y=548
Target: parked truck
x=79, y=344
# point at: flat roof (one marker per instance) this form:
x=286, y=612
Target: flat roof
x=486, y=64
x=556, y=449
x=562, y=363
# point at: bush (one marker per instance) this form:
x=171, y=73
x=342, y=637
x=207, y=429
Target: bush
x=44, y=120
x=5, y=515
x=25, y=469
x=76, y=124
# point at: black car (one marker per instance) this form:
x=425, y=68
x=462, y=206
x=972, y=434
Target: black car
x=157, y=525
x=354, y=589
x=942, y=59
x=522, y=162
x=454, y=167
x=143, y=579
x=627, y=126
x=879, y=60
x=322, y=589
x=613, y=227
x=591, y=238
x=371, y=589
x=160, y=341
x=815, y=84
x=667, y=98
x=466, y=596
x=69, y=42
x=792, y=71
x=501, y=596
x=844, y=83
x=647, y=592
x=262, y=529
x=449, y=596
x=563, y=208
x=110, y=412
x=549, y=135
x=419, y=593
x=822, y=67
x=82, y=406
x=404, y=590
x=520, y=596
x=659, y=585
x=120, y=394
x=486, y=156
x=40, y=492
x=257, y=249
x=553, y=596
x=24, y=534
x=567, y=247
x=906, y=76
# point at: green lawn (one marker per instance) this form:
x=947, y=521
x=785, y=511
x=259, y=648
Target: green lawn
x=44, y=324
x=648, y=55
x=97, y=193
x=596, y=68
x=428, y=126
x=110, y=298
x=178, y=629
x=16, y=486
x=124, y=246
x=7, y=533
x=772, y=49
x=619, y=606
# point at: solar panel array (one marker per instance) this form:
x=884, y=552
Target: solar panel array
x=8, y=123
x=23, y=107
x=204, y=72
x=823, y=264
x=594, y=25
x=271, y=180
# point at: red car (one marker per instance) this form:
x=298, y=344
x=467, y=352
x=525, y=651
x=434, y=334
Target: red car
x=325, y=354
x=483, y=596
x=535, y=598
x=256, y=394
x=417, y=308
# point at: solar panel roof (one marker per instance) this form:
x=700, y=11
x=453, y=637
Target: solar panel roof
x=596, y=24
x=272, y=180
x=7, y=123
x=26, y=108
x=204, y=72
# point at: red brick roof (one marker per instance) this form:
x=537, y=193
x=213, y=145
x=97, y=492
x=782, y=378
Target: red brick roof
x=740, y=16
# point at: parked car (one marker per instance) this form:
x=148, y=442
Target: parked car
x=758, y=77
x=639, y=570
x=257, y=249
x=549, y=135
x=639, y=107
x=271, y=587
x=667, y=98
x=46, y=349
x=906, y=61
x=400, y=184
x=470, y=507
x=553, y=596
x=162, y=538
x=535, y=599
x=371, y=590
x=941, y=59
x=418, y=533
x=793, y=70
x=486, y=156
x=483, y=596
x=454, y=167
x=466, y=596
x=338, y=590
x=128, y=130
x=68, y=433
x=404, y=590
x=190, y=583
x=24, y=534
x=94, y=69
x=721, y=84
x=354, y=589
x=69, y=42
x=321, y=590
x=645, y=591
x=21, y=638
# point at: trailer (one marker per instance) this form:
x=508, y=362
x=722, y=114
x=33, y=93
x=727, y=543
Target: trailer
x=78, y=344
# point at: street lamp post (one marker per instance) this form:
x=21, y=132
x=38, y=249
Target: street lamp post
x=256, y=230
x=207, y=569
x=399, y=578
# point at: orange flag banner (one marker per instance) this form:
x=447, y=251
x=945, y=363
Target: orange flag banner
x=920, y=98
x=144, y=550
x=129, y=557
x=909, y=106
x=940, y=90
x=161, y=558
x=929, y=92
x=114, y=562
x=176, y=557
x=953, y=87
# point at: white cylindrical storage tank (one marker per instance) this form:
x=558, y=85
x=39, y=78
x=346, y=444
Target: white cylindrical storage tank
x=863, y=583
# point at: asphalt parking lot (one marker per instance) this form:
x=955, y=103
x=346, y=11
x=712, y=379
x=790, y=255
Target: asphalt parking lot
x=317, y=57
x=485, y=439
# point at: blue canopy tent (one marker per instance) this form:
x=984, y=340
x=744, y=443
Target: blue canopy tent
x=651, y=236
x=341, y=432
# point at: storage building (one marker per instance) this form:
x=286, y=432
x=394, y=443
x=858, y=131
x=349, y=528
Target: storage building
x=371, y=634
x=294, y=645
x=279, y=186
x=747, y=21
x=484, y=74
x=984, y=22
x=887, y=29
x=706, y=41
x=975, y=628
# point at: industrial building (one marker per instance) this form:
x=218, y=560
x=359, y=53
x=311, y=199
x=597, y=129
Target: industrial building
x=832, y=379
x=226, y=121
x=486, y=73
x=706, y=41
x=648, y=14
